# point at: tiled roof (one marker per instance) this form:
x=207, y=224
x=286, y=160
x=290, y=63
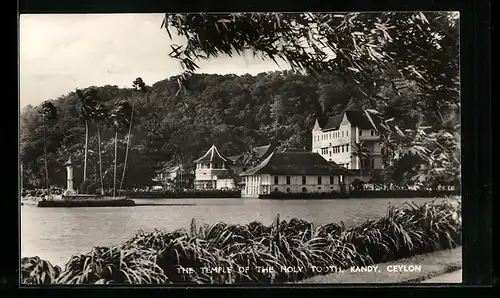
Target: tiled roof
x=293, y=163
x=213, y=155
x=356, y=118
x=333, y=122
x=359, y=119
x=261, y=150
x=341, y=170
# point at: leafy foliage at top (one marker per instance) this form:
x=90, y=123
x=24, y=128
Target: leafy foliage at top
x=396, y=61
x=421, y=47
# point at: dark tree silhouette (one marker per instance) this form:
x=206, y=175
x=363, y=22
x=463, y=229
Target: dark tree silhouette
x=48, y=112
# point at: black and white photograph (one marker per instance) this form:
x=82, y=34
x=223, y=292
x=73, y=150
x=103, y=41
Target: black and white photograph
x=240, y=148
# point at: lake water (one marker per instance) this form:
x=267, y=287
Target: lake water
x=55, y=234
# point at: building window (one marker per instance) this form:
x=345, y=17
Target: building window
x=288, y=189
x=319, y=180
x=319, y=188
x=304, y=189
x=275, y=180
x=275, y=189
x=360, y=132
x=342, y=148
x=330, y=159
x=288, y=180
x=303, y=180
x=342, y=133
x=331, y=179
x=346, y=148
x=372, y=132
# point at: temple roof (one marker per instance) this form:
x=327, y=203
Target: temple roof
x=295, y=163
x=260, y=152
x=213, y=155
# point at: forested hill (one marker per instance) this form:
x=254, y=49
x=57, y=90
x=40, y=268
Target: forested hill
x=233, y=112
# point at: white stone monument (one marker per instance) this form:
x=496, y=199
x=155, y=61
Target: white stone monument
x=69, y=170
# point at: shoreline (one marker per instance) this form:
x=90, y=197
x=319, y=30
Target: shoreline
x=215, y=194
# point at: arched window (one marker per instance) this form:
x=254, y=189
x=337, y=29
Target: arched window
x=288, y=189
x=304, y=189
x=276, y=189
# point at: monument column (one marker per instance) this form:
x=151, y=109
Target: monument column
x=69, y=171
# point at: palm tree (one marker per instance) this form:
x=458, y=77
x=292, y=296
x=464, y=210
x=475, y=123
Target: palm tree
x=48, y=112
x=100, y=114
x=361, y=151
x=87, y=110
x=139, y=87
x=118, y=119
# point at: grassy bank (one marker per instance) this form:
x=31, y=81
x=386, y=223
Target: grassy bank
x=155, y=258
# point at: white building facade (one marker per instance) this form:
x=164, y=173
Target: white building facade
x=335, y=140
x=291, y=172
x=264, y=184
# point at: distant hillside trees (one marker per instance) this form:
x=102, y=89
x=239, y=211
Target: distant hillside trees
x=234, y=112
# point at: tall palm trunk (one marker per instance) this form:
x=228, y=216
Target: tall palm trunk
x=100, y=156
x=114, y=173
x=126, y=150
x=86, y=150
x=45, y=156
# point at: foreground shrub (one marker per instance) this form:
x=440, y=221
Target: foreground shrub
x=158, y=256
x=37, y=271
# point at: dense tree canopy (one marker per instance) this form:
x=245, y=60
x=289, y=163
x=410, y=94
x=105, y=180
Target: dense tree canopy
x=234, y=112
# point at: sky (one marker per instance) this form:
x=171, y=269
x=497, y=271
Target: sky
x=61, y=52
